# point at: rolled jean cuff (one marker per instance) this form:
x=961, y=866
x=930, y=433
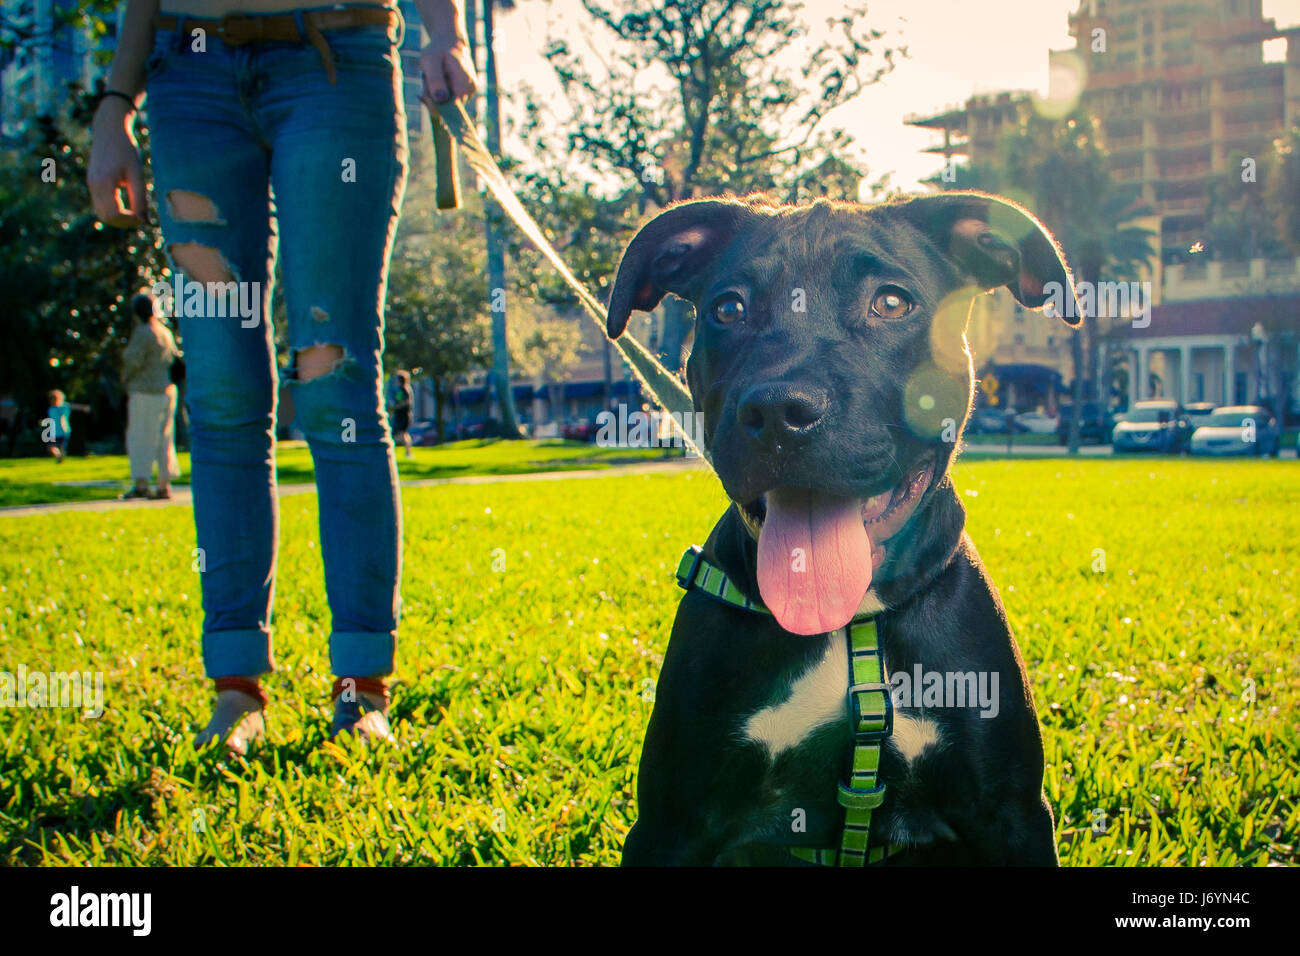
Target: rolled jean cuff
x=362, y=654
x=241, y=653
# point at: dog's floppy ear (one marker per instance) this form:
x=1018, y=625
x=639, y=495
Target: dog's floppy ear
x=1000, y=243
x=669, y=252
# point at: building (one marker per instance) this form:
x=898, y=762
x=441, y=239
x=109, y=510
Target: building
x=413, y=41
x=548, y=407
x=1224, y=332
x=36, y=73
x=1179, y=86
x=1023, y=351
x=50, y=55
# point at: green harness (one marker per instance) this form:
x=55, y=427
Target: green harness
x=869, y=704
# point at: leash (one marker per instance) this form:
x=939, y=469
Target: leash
x=868, y=694
x=870, y=707
x=665, y=388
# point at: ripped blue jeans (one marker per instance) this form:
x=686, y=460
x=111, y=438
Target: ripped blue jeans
x=255, y=152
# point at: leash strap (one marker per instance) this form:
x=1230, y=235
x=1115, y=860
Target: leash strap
x=871, y=710
x=665, y=388
x=447, y=188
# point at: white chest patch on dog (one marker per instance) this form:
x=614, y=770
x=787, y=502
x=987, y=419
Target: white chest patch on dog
x=912, y=735
x=817, y=696
x=871, y=603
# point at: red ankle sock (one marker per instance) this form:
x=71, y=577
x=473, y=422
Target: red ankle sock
x=374, y=686
x=244, y=685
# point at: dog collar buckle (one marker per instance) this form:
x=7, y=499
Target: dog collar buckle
x=686, y=578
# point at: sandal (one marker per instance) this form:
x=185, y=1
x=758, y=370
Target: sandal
x=361, y=708
x=237, y=719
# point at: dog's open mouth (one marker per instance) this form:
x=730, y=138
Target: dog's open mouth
x=817, y=552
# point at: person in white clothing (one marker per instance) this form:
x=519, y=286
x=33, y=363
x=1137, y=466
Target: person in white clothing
x=151, y=404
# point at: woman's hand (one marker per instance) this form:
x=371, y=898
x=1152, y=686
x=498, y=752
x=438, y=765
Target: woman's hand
x=448, y=71
x=114, y=164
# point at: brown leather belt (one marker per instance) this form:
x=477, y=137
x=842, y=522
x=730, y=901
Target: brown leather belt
x=238, y=29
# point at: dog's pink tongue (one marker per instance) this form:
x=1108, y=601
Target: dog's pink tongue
x=814, y=560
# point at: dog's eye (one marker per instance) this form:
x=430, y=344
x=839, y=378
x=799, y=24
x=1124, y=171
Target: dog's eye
x=891, y=302
x=730, y=308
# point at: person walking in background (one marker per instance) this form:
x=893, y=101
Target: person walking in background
x=400, y=402
x=151, y=401
x=56, y=429
x=302, y=102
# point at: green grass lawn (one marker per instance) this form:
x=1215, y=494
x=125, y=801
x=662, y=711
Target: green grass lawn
x=30, y=481
x=522, y=698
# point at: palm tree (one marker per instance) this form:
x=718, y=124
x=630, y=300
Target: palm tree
x=1059, y=170
x=496, y=240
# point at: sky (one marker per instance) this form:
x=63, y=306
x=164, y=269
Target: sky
x=956, y=47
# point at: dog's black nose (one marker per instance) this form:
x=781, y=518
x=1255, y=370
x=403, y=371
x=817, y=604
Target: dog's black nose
x=777, y=413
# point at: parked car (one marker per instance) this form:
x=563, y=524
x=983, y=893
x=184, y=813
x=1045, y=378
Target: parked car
x=988, y=421
x=1095, y=425
x=1229, y=432
x=423, y=433
x=579, y=430
x=472, y=427
x=993, y=421
x=1155, y=425
x=1036, y=423
x=1198, y=413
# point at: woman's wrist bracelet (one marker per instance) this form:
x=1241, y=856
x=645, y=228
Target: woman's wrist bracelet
x=118, y=93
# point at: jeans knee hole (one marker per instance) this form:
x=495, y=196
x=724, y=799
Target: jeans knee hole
x=317, y=361
x=201, y=263
x=186, y=206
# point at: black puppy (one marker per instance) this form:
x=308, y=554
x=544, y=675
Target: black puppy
x=831, y=366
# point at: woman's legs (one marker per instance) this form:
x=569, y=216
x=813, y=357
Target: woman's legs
x=211, y=172
x=222, y=124
x=338, y=169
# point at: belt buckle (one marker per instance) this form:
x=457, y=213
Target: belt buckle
x=236, y=21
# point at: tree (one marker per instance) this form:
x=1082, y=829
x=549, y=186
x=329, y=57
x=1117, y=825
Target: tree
x=588, y=231
x=697, y=99
x=545, y=349
x=66, y=279
x=20, y=26
x=1243, y=217
x=437, y=321
x=495, y=232
x=1058, y=169
x=1284, y=188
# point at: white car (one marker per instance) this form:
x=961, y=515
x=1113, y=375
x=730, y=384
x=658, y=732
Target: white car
x=1036, y=423
x=1238, y=430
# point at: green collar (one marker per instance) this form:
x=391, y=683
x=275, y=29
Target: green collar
x=695, y=572
x=869, y=702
